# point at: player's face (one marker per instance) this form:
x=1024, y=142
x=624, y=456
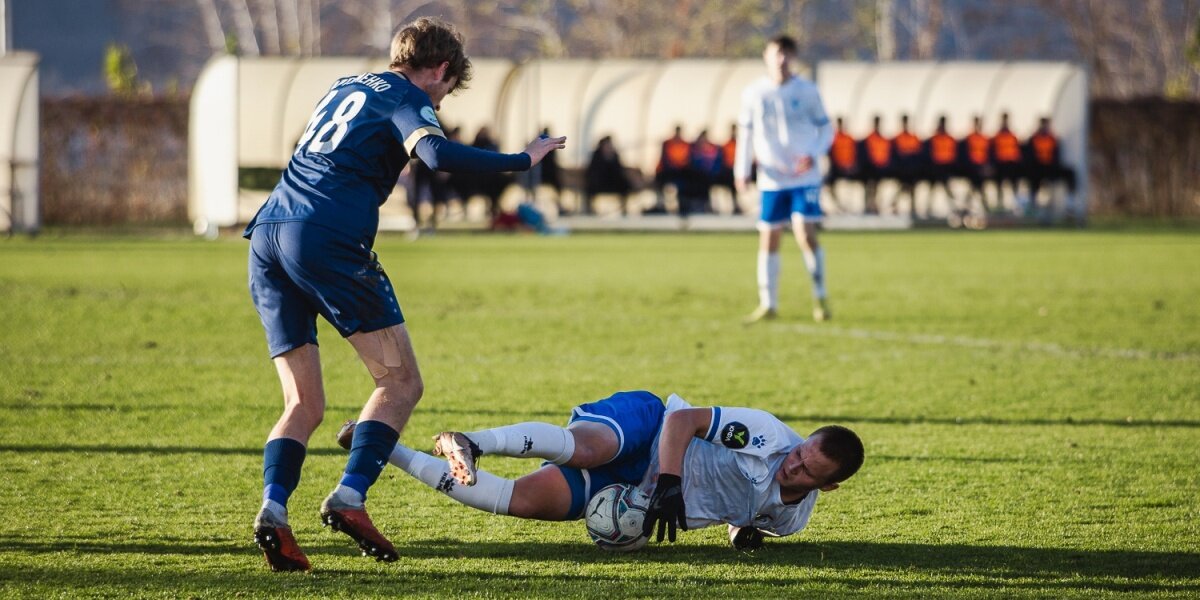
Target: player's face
x=779, y=63
x=806, y=468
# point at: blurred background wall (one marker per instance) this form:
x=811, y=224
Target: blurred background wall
x=116, y=74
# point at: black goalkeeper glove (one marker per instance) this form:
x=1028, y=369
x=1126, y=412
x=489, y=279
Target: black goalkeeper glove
x=747, y=539
x=666, y=507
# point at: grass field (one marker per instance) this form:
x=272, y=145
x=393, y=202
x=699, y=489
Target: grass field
x=1030, y=403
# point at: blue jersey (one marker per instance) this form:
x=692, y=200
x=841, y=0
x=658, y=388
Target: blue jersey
x=359, y=138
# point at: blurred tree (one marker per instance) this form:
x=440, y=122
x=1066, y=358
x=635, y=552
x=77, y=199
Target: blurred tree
x=1133, y=48
x=121, y=73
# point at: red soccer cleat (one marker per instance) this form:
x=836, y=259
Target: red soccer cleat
x=280, y=548
x=354, y=522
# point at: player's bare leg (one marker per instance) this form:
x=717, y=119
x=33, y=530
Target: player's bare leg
x=389, y=356
x=814, y=260
x=304, y=406
x=767, y=274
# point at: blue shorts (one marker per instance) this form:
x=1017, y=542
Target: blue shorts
x=778, y=206
x=299, y=270
x=636, y=418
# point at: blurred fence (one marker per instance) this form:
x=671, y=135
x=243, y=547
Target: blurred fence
x=1145, y=158
x=108, y=161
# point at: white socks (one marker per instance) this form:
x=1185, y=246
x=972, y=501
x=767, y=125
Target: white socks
x=768, y=279
x=815, y=262
x=527, y=440
x=490, y=493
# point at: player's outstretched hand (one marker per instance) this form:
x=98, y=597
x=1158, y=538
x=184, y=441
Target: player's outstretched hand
x=666, y=507
x=540, y=147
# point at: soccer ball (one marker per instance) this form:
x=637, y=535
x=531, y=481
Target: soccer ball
x=614, y=517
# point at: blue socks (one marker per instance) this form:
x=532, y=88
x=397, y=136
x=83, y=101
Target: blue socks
x=282, y=459
x=373, y=444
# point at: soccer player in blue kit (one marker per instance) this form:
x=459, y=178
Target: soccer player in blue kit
x=311, y=254
x=783, y=128
x=705, y=466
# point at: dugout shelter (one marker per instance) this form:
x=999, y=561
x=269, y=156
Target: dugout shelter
x=247, y=113
x=960, y=91
x=19, y=200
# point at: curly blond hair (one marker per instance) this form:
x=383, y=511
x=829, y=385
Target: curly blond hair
x=429, y=42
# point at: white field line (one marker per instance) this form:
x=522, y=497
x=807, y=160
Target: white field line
x=962, y=341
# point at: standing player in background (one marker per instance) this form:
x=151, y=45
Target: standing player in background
x=310, y=254
x=783, y=127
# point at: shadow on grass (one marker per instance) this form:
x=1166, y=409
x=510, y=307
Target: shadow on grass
x=922, y=420
x=903, y=566
x=148, y=449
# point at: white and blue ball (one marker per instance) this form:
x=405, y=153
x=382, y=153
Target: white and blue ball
x=614, y=517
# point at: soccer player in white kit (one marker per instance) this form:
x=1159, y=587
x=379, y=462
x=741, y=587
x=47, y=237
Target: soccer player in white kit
x=704, y=466
x=783, y=127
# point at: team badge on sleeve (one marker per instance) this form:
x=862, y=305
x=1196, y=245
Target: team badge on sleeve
x=428, y=114
x=735, y=435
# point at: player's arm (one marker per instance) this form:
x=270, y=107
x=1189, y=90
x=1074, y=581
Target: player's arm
x=441, y=154
x=743, y=155
x=666, y=505
x=820, y=120
x=677, y=433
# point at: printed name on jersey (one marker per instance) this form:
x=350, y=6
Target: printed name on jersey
x=370, y=80
x=428, y=114
x=735, y=435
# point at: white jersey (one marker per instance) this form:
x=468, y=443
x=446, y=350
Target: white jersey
x=777, y=126
x=729, y=475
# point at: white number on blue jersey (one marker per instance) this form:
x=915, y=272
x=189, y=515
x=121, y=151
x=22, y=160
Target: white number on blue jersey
x=329, y=135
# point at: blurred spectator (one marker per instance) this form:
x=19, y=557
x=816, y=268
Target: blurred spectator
x=426, y=186
x=975, y=157
x=704, y=164
x=909, y=165
x=546, y=173
x=942, y=150
x=490, y=185
x=725, y=175
x=672, y=165
x=606, y=175
x=843, y=161
x=550, y=175
x=876, y=166
x=1045, y=165
x=1006, y=156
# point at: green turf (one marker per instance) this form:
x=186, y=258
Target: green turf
x=1030, y=403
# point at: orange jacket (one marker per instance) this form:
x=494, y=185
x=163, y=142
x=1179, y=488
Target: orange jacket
x=907, y=144
x=1045, y=148
x=977, y=148
x=729, y=153
x=879, y=149
x=943, y=149
x=1006, y=147
x=844, y=151
x=675, y=154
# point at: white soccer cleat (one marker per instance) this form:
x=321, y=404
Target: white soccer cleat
x=821, y=311
x=460, y=452
x=762, y=313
